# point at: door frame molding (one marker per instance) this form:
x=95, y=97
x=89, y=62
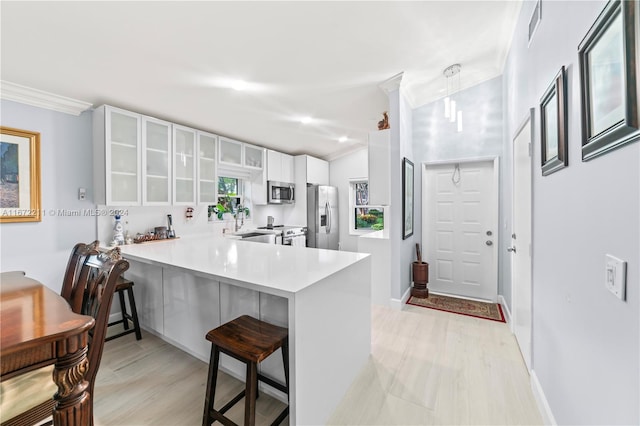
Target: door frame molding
x=529, y=120
x=496, y=203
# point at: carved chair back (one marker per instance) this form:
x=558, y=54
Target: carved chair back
x=92, y=294
x=76, y=260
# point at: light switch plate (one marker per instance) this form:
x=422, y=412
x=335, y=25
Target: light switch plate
x=82, y=194
x=616, y=276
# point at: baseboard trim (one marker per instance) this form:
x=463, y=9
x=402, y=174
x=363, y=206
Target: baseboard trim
x=399, y=304
x=541, y=400
x=506, y=311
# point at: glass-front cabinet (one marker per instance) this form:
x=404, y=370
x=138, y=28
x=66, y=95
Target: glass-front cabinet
x=207, y=182
x=184, y=165
x=156, y=162
x=253, y=157
x=122, y=151
x=230, y=152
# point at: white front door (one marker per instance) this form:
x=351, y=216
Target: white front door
x=521, y=241
x=460, y=228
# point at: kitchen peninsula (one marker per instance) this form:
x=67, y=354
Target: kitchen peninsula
x=188, y=286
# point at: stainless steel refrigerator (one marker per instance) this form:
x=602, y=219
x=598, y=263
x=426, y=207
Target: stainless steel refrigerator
x=322, y=217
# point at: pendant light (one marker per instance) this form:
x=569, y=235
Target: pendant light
x=452, y=110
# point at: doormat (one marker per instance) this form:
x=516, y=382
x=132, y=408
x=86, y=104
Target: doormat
x=472, y=308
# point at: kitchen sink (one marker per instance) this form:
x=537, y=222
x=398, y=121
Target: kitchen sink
x=257, y=237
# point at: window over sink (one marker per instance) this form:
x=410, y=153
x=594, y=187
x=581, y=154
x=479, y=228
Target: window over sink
x=230, y=196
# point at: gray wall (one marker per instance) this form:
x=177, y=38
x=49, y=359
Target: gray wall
x=42, y=248
x=586, y=342
x=352, y=165
x=436, y=139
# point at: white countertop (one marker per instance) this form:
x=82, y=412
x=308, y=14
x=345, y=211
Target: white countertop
x=275, y=268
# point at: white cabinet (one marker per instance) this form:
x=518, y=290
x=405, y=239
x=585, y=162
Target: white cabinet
x=147, y=291
x=156, y=161
x=379, y=168
x=237, y=154
x=207, y=167
x=279, y=167
x=184, y=165
x=253, y=157
x=117, y=146
x=190, y=309
x=317, y=171
x=230, y=152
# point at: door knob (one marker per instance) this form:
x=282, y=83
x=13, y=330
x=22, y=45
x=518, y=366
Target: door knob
x=489, y=243
x=511, y=249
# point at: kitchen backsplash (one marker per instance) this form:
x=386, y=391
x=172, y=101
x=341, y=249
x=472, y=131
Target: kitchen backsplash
x=142, y=219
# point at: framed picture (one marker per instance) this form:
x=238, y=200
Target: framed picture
x=553, y=119
x=609, y=81
x=19, y=176
x=407, y=198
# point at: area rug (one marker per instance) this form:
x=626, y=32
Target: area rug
x=472, y=308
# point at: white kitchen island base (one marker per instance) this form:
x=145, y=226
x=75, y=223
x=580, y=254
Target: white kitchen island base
x=187, y=287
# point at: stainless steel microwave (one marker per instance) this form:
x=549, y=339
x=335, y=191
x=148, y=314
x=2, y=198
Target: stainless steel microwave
x=280, y=193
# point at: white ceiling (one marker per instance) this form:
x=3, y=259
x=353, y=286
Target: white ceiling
x=172, y=60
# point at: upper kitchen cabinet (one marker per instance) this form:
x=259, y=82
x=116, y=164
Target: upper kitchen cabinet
x=231, y=152
x=239, y=155
x=207, y=177
x=253, y=157
x=379, y=168
x=156, y=162
x=279, y=167
x=117, y=143
x=184, y=165
x=317, y=171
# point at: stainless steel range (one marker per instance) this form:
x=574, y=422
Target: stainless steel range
x=294, y=236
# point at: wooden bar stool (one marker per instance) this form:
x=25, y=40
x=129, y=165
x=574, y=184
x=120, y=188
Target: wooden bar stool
x=248, y=340
x=123, y=285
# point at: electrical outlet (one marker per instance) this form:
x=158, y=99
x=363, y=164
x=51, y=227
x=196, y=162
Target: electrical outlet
x=616, y=276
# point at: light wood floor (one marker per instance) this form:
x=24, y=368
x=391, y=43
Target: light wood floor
x=427, y=367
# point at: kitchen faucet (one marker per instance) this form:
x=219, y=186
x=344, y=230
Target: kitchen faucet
x=239, y=210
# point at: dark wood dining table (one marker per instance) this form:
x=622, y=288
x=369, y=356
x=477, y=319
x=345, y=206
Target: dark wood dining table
x=38, y=328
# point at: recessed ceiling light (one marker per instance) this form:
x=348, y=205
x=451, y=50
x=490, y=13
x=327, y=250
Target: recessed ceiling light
x=239, y=85
x=305, y=120
x=342, y=139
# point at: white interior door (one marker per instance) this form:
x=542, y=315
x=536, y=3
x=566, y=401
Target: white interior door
x=460, y=228
x=521, y=241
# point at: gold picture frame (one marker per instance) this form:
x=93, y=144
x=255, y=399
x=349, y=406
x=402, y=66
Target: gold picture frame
x=19, y=176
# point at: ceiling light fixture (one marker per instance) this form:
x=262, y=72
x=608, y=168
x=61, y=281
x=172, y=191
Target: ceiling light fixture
x=452, y=111
x=239, y=85
x=305, y=120
x=343, y=139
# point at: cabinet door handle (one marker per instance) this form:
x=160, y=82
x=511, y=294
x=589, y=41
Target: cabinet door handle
x=511, y=249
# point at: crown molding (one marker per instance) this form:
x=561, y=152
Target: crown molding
x=39, y=98
x=391, y=84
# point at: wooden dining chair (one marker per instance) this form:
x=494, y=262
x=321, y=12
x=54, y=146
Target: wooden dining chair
x=91, y=293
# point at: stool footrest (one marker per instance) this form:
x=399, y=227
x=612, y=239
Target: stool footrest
x=233, y=402
x=273, y=383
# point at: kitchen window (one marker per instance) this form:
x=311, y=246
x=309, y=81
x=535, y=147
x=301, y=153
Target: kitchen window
x=363, y=217
x=230, y=196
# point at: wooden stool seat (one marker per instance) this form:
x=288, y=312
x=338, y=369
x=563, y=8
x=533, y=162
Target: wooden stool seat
x=124, y=285
x=251, y=341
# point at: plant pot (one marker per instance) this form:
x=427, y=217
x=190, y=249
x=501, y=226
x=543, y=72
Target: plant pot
x=420, y=274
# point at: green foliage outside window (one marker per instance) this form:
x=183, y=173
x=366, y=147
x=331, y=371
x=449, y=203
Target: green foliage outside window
x=369, y=219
